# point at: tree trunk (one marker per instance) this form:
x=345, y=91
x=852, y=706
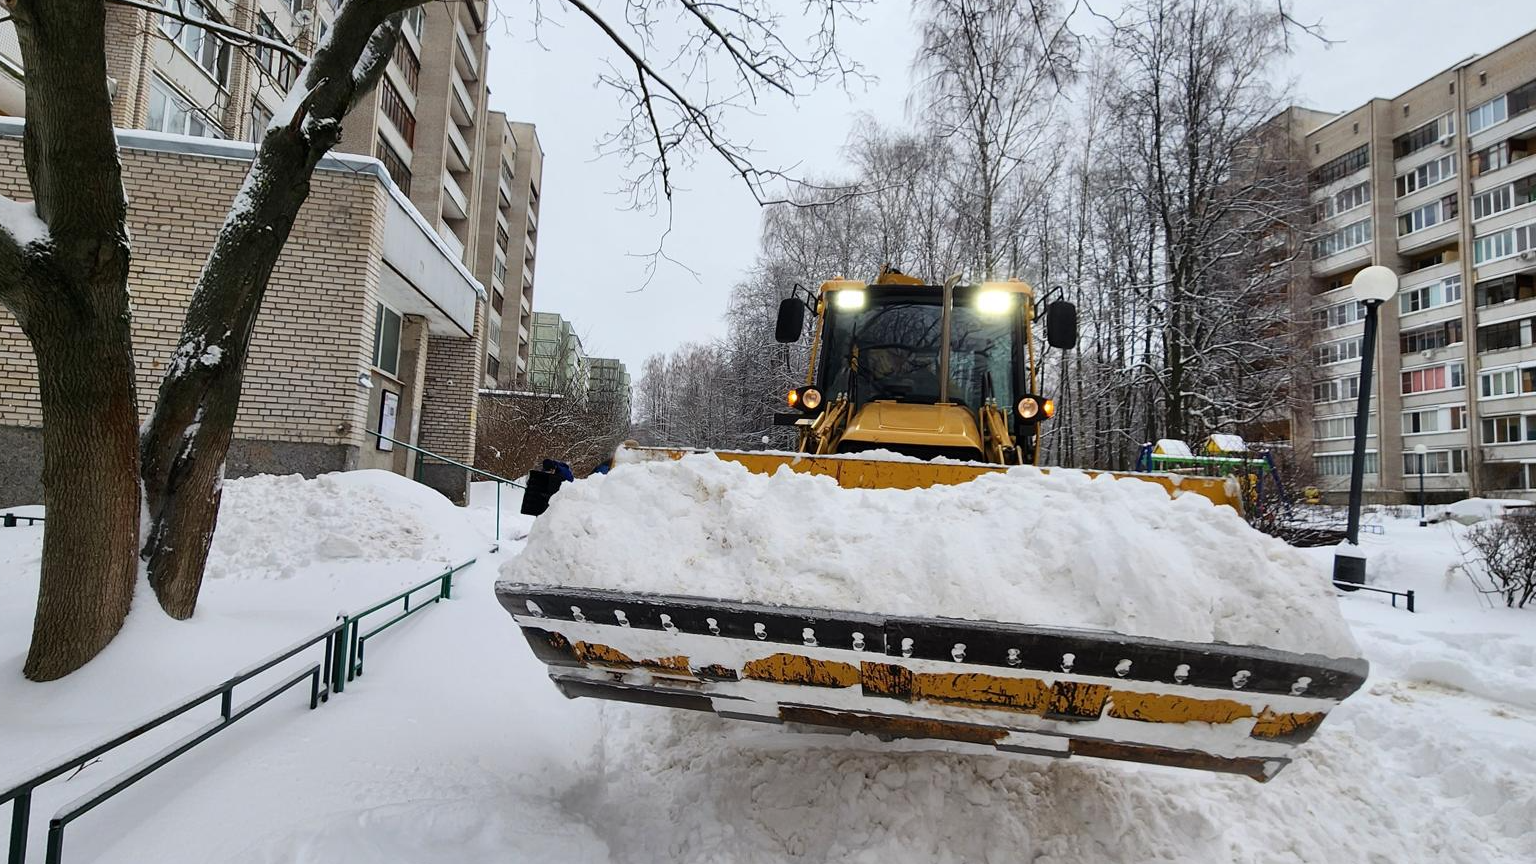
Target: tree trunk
x=68, y=290
x=186, y=441
x=90, y=487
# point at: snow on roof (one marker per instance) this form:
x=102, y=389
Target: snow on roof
x=1170, y=447
x=1228, y=443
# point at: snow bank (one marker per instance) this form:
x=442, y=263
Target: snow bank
x=1469, y=511
x=1056, y=549
x=275, y=526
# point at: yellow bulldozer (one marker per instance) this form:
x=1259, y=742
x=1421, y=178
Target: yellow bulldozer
x=949, y=374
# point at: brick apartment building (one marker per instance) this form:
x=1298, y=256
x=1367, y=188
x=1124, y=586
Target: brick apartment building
x=1436, y=184
x=380, y=309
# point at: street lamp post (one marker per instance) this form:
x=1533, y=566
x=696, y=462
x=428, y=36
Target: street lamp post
x=1422, y=451
x=1373, y=286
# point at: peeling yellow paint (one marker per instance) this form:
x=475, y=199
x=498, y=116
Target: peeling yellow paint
x=603, y=655
x=1074, y=699
x=1279, y=727
x=1158, y=708
x=795, y=669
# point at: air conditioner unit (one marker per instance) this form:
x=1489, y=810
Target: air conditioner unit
x=1427, y=354
x=1447, y=141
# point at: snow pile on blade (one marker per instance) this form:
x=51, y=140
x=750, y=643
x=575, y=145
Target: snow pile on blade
x=274, y=526
x=1059, y=549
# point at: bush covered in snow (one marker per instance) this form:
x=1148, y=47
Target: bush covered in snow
x=1504, y=550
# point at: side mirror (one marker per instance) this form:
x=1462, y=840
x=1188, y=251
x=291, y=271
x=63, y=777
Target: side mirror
x=1060, y=324
x=791, y=321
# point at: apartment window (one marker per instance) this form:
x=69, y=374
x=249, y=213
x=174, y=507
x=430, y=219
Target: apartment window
x=1430, y=133
x=1435, y=462
x=1342, y=202
x=1494, y=201
x=1336, y=389
x=1451, y=418
x=498, y=299
x=1500, y=382
x=1494, y=111
x=1336, y=352
x=1430, y=379
x=209, y=51
x=1509, y=429
x=1338, y=464
x=261, y=118
x=1497, y=156
x=1427, y=175
x=1331, y=428
x=1338, y=315
x=405, y=60
x=1350, y=236
x=1503, y=335
x=1442, y=293
x=1506, y=289
x=414, y=17
x=169, y=112
x=499, y=268
x=386, y=340
x=1427, y=216
x=1504, y=244
x=394, y=108
x=492, y=366
x=394, y=163
x=1343, y=166
x=280, y=69
x=1431, y=337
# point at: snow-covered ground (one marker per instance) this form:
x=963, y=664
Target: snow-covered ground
x=454, y=747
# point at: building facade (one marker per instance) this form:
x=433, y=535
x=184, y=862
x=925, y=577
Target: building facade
x=558, y=363
x=608, y=383
x=1435, y=184
x=383, y=284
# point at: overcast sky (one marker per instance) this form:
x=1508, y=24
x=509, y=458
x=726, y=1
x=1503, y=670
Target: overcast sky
x=586, y=265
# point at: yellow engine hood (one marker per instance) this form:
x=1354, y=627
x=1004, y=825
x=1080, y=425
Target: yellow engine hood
x=916, y=425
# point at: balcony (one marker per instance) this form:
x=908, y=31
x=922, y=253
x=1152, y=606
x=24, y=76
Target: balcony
x=1444, y=233
x=527, y=278
x=527, y=248
x=465, y=58
x=462, y=105
x=533, y=220
x=455, y=202
x=452, y=241
x=458, y=150
x=504, y=195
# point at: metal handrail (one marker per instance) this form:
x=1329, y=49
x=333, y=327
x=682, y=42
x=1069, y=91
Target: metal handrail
x=470, y=468
x=342, y=662
x=9, y=520
x=1406, y=595
x=21, y=793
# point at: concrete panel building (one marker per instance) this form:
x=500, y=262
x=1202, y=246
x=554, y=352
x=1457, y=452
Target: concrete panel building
x=558, y=363
x=1436, y=184
x=608, y=383
x=378, y=310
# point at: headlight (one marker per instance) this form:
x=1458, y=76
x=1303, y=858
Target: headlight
x=794, y=398
x=994, y=302
x=1029, y=406
x=810, y=399
x=1049, y=408
x=848, y=298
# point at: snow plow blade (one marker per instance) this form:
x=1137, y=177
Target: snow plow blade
x=1018, y=688
x=852, y=472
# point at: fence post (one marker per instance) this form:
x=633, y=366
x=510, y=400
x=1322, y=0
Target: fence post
x=21, y=812
x=339, y=668
x=10, y=518
x=498, y=511
x=1410, y=600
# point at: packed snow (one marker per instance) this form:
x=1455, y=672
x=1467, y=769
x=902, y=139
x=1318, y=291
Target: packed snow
x=455, y=746
x=1023, y=547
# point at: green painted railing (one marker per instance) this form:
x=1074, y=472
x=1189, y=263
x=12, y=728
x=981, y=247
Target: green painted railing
x=343, y=642
x=445, y=460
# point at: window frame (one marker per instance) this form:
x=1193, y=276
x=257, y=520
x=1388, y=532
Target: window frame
x=383, y=310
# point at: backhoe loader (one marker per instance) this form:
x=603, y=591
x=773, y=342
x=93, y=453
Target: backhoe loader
x=949, y=374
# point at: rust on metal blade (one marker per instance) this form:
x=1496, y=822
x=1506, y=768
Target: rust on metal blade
x=886, y=679
x=716, y=672
x=1293, y=727
x=1159, y=708
x=894, y=727
x=1074, y=700
x=602, y=655
x=1259, y=769
x=796, y=669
